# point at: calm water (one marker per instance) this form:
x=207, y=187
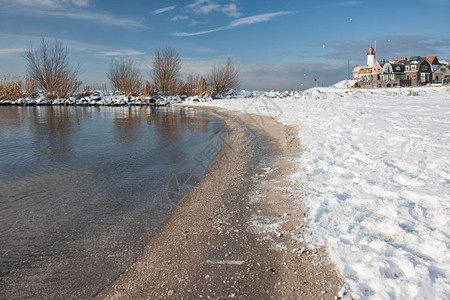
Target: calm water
x=83, y=190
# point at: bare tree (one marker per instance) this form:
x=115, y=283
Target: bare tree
x=224, y=78
x=166, y=66
x=50, y=67
x=125, y=77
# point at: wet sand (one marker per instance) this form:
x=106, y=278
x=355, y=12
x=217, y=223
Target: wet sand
x=238, y=233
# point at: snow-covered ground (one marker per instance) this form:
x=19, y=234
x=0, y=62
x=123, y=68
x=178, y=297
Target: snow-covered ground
x=376, y=173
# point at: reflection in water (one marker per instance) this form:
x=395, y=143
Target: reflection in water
x=83, y=189
x=127, y=125
x=52, y=132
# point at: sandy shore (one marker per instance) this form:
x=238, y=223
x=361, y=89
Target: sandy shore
x=238, y=233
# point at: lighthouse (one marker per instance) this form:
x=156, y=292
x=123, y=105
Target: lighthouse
x=371, y=57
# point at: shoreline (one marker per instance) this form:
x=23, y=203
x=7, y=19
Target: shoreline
x=238, y=232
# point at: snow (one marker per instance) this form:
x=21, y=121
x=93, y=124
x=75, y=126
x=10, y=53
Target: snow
x=105, y=98
x=375, y=177
x=345, y=84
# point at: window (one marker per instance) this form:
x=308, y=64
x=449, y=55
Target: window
x=424, y=68
x=424, y=77
x=407, y=68
x=413, y=68
x=398, y=68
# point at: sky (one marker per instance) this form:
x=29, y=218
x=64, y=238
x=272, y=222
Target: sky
x=280, y=45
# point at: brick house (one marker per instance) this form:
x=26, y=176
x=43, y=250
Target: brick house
x=392, y=75
x=418, y=70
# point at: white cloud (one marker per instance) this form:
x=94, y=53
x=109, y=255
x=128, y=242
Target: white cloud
x=120, y=53
x=239, y=22
x=340, y=4
x=12, y=50
x=46, y=3
x=80, y=2
x=179, y=17
x=197, y=66
x=348, y=3
x=163, y=10
x=207, y=6
x=231, y=10
x=194, y=23
x=203, y=6
x=77, y=15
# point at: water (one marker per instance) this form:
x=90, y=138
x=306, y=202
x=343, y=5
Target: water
x=84, y=189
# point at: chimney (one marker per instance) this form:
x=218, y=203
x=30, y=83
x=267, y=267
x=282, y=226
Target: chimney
x=383, y=60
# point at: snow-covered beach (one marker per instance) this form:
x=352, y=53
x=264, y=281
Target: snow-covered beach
x=375, y=178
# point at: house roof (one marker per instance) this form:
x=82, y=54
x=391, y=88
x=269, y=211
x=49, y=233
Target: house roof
x=431, y=59
x=397, y=60
x=405, y=62
x=398, y=68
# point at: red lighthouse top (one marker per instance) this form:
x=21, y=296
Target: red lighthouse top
x=371, y=51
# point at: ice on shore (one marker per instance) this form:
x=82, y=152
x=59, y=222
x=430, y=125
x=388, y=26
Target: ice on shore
x=376, y=173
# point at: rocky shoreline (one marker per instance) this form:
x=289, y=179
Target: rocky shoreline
x=94, y=101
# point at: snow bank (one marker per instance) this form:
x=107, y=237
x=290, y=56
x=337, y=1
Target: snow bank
x=344, y=84
x=376, y=173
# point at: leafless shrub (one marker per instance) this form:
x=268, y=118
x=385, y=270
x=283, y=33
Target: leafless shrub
x=125, y=77
x=177, y=87
x=10, y=87
x=224, y=78
x=50, y=67
x=166, y=66
x=149, y=89
x=203, y=89
x=30, y=87
x=196, y=86
x=66, y=86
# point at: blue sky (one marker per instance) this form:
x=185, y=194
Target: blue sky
x=277, y=44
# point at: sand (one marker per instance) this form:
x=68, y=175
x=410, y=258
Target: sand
x=238, y=233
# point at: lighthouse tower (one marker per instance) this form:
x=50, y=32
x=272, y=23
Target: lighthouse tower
x=371, y=57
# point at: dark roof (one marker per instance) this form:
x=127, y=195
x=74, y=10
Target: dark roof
x=398, y=68
x=411, y=61
x=404, y=62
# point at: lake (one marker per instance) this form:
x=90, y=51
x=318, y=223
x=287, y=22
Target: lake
x=84, y=189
